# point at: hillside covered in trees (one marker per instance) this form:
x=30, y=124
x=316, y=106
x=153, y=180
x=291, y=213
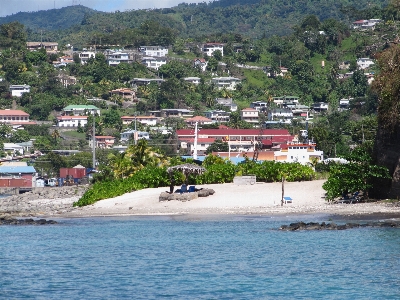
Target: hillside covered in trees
x=254, y=19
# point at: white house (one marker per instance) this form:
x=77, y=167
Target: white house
x=321, y=106
x=86, y=55
x=225, y=82
x=154, y=51
x=71, y=121
x=145, y=120
x=13, y=148
x=280, y=114
x=14, y=116
x=125, y=136
x=117, y=57
x=249, y=115
x=199, y=120
x=227, y=102
x=103, y=141
x=286, y=100
x=76, y=110
x=17, y=90
x=217, y=116
x=194, y=80
x=210, y=48
x=201, y=63
x=135, y=82
x=259, y=105
x=302, y=153
x=154, y=62
x=364, y=63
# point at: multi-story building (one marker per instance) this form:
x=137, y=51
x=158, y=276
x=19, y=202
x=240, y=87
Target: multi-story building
x=103, y=141
x=295, y=152
x=14, y=117
x=227, y=102
x=86, y=55
x=49, y=46
x=71, y=121
x=154, y=62
x=228, y=83
x=145, y=120
x=114, y=58
x=210, y=48
x=194, y=80
x=249, y=115
x=154, y=51
x=217, y=116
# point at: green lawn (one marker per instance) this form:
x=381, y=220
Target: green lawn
x=74, y=134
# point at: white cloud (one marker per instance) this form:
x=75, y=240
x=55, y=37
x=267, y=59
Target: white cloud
x=8, y=7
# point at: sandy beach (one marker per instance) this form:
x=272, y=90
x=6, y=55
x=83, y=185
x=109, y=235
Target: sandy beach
x=258, y=199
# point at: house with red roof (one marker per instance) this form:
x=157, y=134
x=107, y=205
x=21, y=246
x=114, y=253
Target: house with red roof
x=239, y=140
x=199, y=120
x=15, y=117
x=200, y=63
x=71, y=121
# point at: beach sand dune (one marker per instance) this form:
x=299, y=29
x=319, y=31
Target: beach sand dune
x=260, y=198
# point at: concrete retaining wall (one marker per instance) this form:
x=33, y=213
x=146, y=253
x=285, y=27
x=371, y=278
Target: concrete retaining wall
x=244, y=180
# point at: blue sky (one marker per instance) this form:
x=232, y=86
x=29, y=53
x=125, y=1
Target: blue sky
x=8, y=7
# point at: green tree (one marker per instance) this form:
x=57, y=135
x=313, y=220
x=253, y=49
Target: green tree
x=354, y=176
x=218, y=146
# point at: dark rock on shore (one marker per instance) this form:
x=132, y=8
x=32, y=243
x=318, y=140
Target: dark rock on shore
x=165, y=196
x=14, y=221
x=333, y=226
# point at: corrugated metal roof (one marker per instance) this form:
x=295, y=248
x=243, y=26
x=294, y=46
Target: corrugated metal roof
x=17, y=169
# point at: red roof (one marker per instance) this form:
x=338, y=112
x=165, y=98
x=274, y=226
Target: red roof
x=12, y=112
x=104, y=137
x=198, y=119
x=200, y=59
x=200, y=140
x=229, y=131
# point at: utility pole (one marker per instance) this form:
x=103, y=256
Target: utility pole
x=135, y=135
x=94, y=141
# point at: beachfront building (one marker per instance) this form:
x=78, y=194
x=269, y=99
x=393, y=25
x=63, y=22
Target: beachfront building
x=295, y=152
x=240, y=140
x=20, y=176
x=80, y=110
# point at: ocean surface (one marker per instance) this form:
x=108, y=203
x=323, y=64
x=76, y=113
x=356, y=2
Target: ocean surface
x=190, y=257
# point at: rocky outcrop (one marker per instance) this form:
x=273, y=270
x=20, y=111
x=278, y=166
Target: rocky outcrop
x=13, y=221
x=333, y=226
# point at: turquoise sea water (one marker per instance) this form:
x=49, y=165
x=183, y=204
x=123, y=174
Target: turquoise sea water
x=188, y=257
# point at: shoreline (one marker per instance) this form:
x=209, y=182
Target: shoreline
x=229, y=200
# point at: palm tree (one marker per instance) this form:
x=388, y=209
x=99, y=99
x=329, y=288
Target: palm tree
x=55, y=135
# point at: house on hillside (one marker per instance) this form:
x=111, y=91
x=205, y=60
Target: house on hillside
x=217, y=116
x=86, y=55
x=154, y=62
x=48, y=46
x=103, y=141
x=154, y=51
x=125, y=93
x=227, y=102
x=114, y=58
x=71, y=121
x=321, y=106
x=283, y=101
x=228, y=83
x=199, y=120
x=15, y=117
x=145, y=120
x=80, y=110
x=193, y=80
x=364, y=63
x=210, y=48
x=249, y=115
x=66, y=80
x=200, y=63
x=280, y=114
x=17, y=90
x=135, y=82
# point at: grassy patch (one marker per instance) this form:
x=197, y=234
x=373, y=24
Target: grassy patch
x=74, y=134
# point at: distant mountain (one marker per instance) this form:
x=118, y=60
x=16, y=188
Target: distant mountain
x=52, y=19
